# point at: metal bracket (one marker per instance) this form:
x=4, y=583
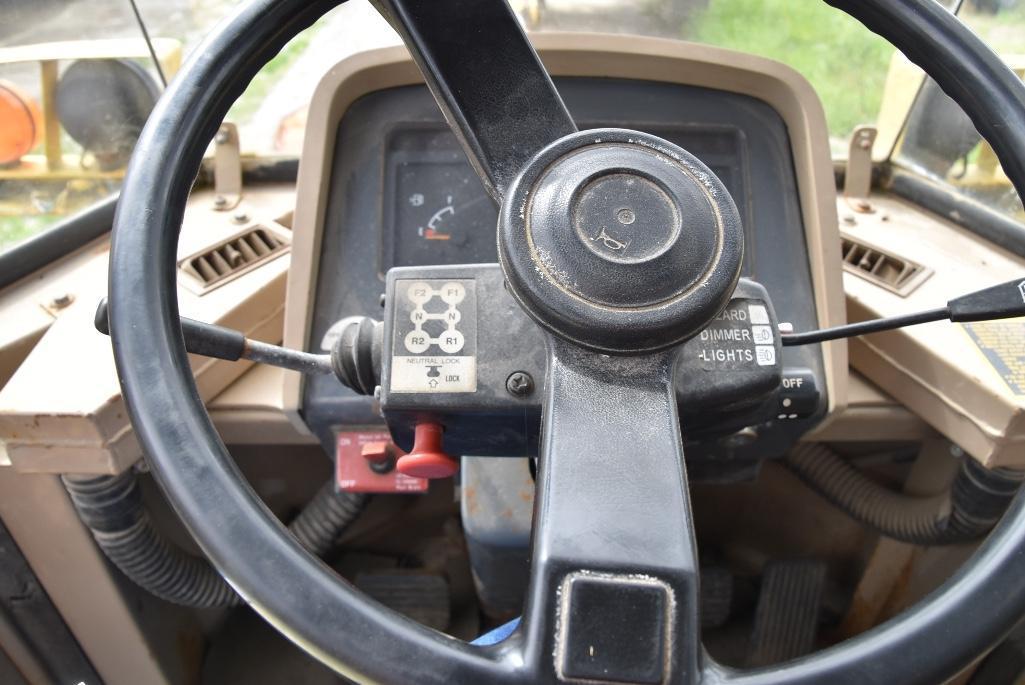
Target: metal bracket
x=227, y=168
x=858, y=176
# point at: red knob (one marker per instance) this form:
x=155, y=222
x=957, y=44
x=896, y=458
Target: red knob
x=426, y=460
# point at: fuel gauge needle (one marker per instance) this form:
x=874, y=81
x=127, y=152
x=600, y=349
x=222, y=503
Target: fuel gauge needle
x=431, y=234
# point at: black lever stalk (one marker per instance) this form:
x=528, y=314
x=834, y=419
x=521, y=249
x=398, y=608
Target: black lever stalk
x=210, y=340
x=1003, y=301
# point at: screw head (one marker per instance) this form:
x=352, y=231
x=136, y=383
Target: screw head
x=222, y=137
x=62, y=301
x=519, y=384
x=240, y=217
x=220, y=201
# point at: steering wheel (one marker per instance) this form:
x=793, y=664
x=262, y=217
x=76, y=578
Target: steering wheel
x=613, y=589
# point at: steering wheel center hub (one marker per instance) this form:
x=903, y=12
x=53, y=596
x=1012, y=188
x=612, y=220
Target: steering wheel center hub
x=620, y=241
x=625, y=218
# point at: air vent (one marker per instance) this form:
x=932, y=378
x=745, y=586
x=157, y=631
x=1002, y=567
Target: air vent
x=885, y=269
x=219, y=264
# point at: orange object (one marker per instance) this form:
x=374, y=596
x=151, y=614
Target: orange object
x=426, y=460
x=21, y=123
x=358, y=456
x=378, y=451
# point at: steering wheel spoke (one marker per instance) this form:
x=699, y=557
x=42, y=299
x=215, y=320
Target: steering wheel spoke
x=613, y=593
x=488, y=80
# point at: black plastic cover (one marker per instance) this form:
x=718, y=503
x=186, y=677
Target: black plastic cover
x=629, y=649
x=396, y=166
x=449, y=357
x=999, y=302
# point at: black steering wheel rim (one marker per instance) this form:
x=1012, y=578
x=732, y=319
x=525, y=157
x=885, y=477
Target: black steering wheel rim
x=303, y=598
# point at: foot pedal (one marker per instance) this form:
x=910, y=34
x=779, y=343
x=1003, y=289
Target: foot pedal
x=422, y=597
x=716, y=596
x=787, y=617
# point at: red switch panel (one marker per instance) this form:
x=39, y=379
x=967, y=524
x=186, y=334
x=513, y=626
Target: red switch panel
x=356, y=473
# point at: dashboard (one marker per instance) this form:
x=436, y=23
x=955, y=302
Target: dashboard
x=400, y=193
x=435, y=211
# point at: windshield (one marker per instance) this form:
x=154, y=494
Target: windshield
x=76, y=86
x=939, y=141
x=92, y=90
x=845, y=63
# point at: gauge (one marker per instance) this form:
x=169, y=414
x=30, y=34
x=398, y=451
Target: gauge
x=444, y=224
x=440, y=213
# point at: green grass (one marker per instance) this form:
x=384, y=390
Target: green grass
x=1003, y=31
x=14, y=229
x=244, y=108
x=844, y=62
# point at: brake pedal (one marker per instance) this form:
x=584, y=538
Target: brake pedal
x=787, y=616
x=422, y=597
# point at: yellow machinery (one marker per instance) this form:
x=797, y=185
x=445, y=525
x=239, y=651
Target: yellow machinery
x=45, y=169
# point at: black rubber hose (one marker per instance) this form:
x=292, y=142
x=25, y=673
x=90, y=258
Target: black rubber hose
x=320, y=523
x=976, y=500
x=112, y=508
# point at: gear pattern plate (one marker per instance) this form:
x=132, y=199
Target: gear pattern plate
x=434, y=336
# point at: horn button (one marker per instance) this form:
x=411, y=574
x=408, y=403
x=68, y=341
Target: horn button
x=620, y=241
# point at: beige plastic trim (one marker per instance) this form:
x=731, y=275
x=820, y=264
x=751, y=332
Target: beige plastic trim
x=935, y=370
x=61, y=411
x=248, y=412
x=595, y=55
x=192, y=280
x=38, y=513
x=871, y=416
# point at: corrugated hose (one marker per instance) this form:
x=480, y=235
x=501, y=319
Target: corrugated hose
x=112, y=508
x=976, y=500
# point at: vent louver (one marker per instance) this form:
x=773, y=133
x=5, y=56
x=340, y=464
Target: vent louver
x=218, y=264
x=883, y=268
